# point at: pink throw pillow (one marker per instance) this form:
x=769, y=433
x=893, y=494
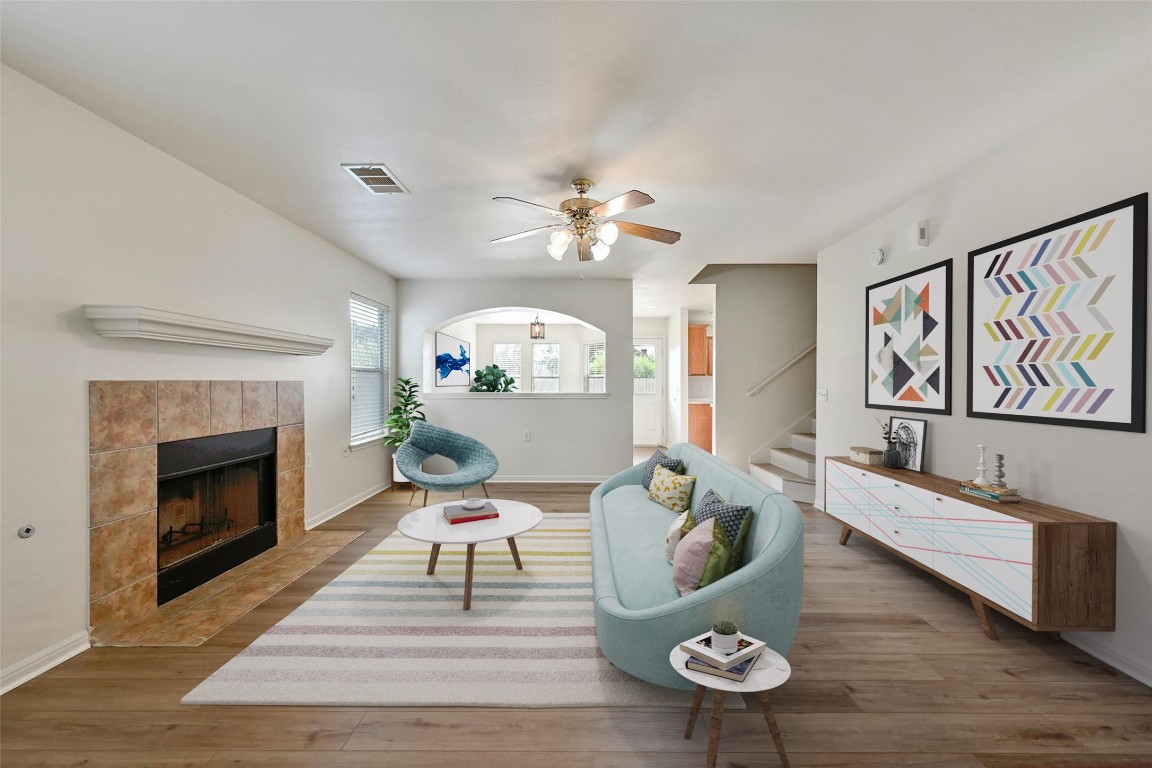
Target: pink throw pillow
x=691, y=557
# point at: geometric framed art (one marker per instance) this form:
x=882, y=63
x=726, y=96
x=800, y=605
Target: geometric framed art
x=1057, y=322
x=908, y=342
x=453, y=361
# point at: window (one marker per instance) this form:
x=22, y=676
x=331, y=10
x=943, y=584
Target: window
x=370, y=377
x=545, y=367
x=644, y=369
x=507, y=356
x=594, y=367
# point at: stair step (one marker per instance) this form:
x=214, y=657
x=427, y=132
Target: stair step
x=797, y=488
x=797, y=462
x=804, y=441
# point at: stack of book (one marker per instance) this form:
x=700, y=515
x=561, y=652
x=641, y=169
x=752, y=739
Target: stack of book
x=990, y=492
x=458, y=513
x=732, y=666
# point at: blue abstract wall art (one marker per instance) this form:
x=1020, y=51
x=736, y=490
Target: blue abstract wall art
x=453, y=361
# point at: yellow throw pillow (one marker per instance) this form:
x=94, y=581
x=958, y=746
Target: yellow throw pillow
x=672, y=490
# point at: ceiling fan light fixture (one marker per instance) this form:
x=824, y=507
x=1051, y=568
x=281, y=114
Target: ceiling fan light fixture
x=556, y=250
x=561, y=238
x=600, y=250
x=608, y=233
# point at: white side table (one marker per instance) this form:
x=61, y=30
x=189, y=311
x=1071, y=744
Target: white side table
x=428, y=524
x=771, y=670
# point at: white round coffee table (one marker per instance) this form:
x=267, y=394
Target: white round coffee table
x=770, y=671
x=428, y=524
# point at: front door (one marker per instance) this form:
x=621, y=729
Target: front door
x=647, y=392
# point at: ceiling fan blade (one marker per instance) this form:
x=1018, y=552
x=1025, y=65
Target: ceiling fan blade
x=517, y=201
x=584, y=249
x=648, y=233
x=621, y=203
x=519, y=235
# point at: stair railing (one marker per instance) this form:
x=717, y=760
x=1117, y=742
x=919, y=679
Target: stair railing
x=779, y=371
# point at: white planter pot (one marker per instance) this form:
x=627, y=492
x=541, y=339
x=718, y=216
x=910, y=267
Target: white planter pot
x=397, y=475
x=725, y=643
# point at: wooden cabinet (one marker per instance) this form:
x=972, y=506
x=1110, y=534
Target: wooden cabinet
x=700, y=425
x=699, y=352
x=1049, y=568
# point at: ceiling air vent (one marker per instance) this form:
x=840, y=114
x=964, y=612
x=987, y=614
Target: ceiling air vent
x=375, y=178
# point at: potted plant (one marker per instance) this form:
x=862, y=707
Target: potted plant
x=725, y=637
x=405, y=411
x=492, y=378
x=891, y=447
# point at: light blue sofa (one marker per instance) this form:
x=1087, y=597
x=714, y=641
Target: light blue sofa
x=640, y=616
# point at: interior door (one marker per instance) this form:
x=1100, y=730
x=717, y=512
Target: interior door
x=647, y=392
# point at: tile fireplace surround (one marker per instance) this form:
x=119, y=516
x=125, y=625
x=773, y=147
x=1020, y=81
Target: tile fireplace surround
x=126, y=420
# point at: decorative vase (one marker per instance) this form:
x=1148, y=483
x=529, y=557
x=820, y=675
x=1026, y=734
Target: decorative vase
x=725, y=643
x=892, y=456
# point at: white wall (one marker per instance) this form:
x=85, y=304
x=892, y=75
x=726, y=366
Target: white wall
x=1097, y=153
x=93, y=215
x=765, y=316
x=677, y=424
x=573, y=437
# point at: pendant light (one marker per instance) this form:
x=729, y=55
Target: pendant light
x=536, y=329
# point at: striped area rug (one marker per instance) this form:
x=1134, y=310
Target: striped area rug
x=384, y=633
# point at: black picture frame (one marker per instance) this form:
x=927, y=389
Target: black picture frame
x=1041, y=382
x=874, y=396
x=911, y=439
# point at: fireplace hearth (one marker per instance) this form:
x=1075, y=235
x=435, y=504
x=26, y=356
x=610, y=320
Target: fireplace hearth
x=217, y=507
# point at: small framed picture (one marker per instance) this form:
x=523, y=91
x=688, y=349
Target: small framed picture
x=909, y=435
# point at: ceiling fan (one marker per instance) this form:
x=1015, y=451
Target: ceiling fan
x=587, y=221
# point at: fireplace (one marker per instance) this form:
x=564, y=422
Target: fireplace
x=216, y=506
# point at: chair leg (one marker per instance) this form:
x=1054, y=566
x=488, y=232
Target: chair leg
x=413, y=494
x=485, y=487
x=425, y=497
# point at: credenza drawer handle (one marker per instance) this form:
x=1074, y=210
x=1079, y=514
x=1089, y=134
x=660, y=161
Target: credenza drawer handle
x=938, y=498
x=895, y=485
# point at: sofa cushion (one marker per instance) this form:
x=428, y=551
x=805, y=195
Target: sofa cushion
x=733, y=517
x=672, y=538
x=692, y=557
x=671, y=490
x=659, y=459
x=634, y=526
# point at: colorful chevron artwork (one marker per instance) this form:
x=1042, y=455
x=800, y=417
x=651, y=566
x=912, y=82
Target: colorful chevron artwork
x=1052, y=321
x=909, y=332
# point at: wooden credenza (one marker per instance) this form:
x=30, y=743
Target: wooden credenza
x=1050, y=569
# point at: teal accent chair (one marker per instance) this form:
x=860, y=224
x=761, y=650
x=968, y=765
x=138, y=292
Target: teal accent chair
x=475, y=464
x=641, y=617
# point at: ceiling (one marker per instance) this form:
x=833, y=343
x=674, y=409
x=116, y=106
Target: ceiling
x=764, y=131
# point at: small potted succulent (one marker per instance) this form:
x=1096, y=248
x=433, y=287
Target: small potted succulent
x=725, y=637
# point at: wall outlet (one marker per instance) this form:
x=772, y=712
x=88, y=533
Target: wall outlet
x=308, y=460
x=527, y=436
x=822, y=394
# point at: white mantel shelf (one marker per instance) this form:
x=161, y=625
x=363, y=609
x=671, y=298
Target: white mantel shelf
x=128, y=322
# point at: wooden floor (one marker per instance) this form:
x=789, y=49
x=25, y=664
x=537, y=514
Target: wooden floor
x=890, y=669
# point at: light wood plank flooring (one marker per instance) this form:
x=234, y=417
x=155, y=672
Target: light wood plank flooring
x=891, y=669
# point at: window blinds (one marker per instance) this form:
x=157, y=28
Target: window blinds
x=545, y=367
x=507, y=356
x=370, y=376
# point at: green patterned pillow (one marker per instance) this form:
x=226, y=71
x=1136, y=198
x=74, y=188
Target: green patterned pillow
x=727, y=533
x=672, y=490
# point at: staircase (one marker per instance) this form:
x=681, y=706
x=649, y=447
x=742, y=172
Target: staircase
x=791, y=470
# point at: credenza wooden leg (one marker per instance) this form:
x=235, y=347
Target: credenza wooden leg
x=714, y=727
x=844, y=534
x=775, y=729
x=433, y=558
x=697, y=700
x=984, y=615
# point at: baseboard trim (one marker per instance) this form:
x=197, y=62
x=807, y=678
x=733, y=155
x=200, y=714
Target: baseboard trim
x=547, y=479
x=818, y=503
x=344, y=506
x=21, y=672
x=1137, y=668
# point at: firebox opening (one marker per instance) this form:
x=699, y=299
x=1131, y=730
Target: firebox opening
x=217, y=507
